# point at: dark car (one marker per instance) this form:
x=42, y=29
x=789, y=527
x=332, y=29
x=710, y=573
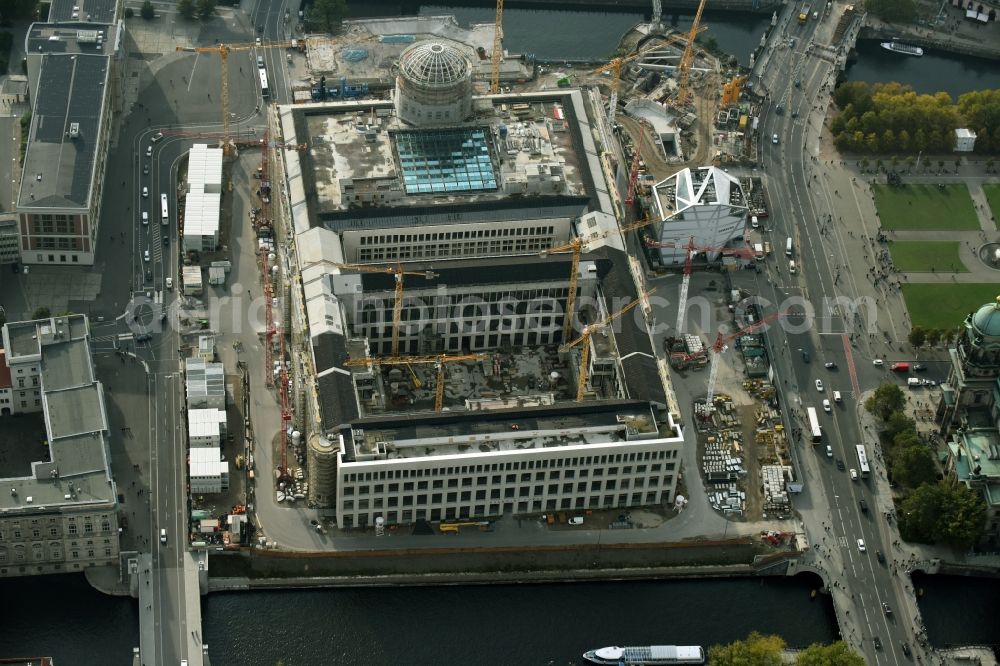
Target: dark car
x=840, y=464
x=805, y=356
x=166, y=239
x=886, y=609
x=906, y=648
x=878, y=643
x=864, y=506
x=830, y=365
x=880, y=557
x=919, y=367
x=143, y=337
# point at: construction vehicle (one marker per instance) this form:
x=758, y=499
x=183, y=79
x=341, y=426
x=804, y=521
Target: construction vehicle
x=615, y=69
x=454, y=528
x=397, y=310
x=687, y=59
x=439, y=359
x=692, y=249
x=576, y=247
x=584, y=341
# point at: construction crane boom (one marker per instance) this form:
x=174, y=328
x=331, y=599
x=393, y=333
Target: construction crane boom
x=584, y=340
x=687, y=58
x=397, y=306
x=497, y=50
x=576, y=247
x=633, y=176
x=720, y=345
x=440, y=360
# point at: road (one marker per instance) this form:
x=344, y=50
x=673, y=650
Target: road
x=834, y=319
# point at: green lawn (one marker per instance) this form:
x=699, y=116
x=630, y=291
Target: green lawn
x=944, y=306
x=925, y=207
x=992, y=191
x=923, y=256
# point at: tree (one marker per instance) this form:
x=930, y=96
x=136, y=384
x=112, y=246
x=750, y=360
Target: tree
x=147, y=12
x=913, y=466
x=41, y=313
x=129, y=12
x=958, y=163
x=899, y=423
x=943, y=513
x=756, y=650
x=899, y=11
x=205, y=9
x=186, y=8
x=940, y=165
x=327, y=14
x=886, y=399
x=871, y=142
x=835, y=654
x=934, y=336
x=917, y=336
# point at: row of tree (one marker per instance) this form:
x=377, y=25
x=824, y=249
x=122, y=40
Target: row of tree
x=892, y=118
x=936, y=510
x=900, y=11
x=761, y=650
x=324, y=15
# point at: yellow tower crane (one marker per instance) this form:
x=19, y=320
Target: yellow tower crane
x=497, y=50
x=576, y=247
x=397, y=308
x=584, y=340
x=687, y=58
x=439, y=359
x=615, y=67
x=223, y=51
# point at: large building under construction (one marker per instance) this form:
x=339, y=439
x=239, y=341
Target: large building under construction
x=433, y=241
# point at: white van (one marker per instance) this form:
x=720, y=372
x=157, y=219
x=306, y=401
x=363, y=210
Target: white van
x=791, y=267
x=913, y=382
x=788, y=247
x=758, y=251
x=836, y=396
x=753, y=222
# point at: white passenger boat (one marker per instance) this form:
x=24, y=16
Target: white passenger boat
x=905, y=49
x=647, y=655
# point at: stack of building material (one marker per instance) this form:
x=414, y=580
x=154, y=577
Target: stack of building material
x=774, y=479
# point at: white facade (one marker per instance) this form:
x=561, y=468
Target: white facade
x=208, y=473
x=203, y=199
x=706, y=205
x=603, y=456
x=191, y=280
x=965, y=140
x=20, y=385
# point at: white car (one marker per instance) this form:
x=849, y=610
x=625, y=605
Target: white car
x=145, y=192
x=163, y=535
x=157, y=137
x=149, y=151
x=145, y=217
x=819, y=385
x=878, y=363
x=836, y=396
x=774, y=139
x=861, y=545
x=854, y=474
x=829, y=451
x=826, y=406
x=145, y=255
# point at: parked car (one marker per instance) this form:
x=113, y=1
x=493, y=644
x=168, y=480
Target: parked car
x=576, y=520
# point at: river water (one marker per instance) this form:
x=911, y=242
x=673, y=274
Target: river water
x=62, y=616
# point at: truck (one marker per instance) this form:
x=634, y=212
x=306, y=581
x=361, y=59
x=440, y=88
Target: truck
x=804, y=14
x=900, y=367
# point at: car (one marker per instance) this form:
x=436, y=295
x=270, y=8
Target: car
x=257, y=42
x=878, y=642
x=919, y=367
x=145, y=192
x=144, y=337
x=166, y=239
x=260, y=29
x=878, y=363
x=774, y=139
x=861, y=546
x=905, y=647
x=260, y=62
x=149, y=151
x=830, y=365
x=864, y=506
x=805, y=356
x=170, y=283
x=156, y=137
x=819, y=385
x=145, y=255
x=149, y=275
x=928, y=382
x=880, y=557
x=798, y=83
x=145, y=169
x=163, y=535
x=886, y=609
x=829, y=451
x=826, y=406
x=840, y=464
x=576, y=520
x=854, y=474
x=836, y=396
x=754, y=222
x=145, y=217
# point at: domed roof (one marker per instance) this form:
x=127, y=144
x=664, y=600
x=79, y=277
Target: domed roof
x=986, y=321
x=433, y=64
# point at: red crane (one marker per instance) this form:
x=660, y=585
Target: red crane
x=633, y=177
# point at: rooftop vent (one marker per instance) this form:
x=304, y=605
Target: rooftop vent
x=74, y=130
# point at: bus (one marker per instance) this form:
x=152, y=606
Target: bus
x=863, y=468
x=814, y=428
x=164, y=210
x=264, y=91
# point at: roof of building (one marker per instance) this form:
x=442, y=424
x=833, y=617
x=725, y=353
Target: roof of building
x=95, y=11
x=64, y=139
x=72, y=38
x=75, y=421
x=5, y=381
x=206, y=461
x=698, y=187
x=490, y=270
x=336, y=389
x=976, y=455
x=434, y=64
x=986, y=320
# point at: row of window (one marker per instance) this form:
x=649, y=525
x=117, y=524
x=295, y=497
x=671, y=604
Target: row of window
x=573, y=462
x=381, y=343
x=524, y=493
x=55, y=553
x=53, y=224
x=510, y=314
x=496, y=509
x=415, y=252
x=17, y=530
x=485, y=232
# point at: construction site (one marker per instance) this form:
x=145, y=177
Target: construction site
x=446, y=229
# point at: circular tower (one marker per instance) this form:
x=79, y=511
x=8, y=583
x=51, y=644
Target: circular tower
x=434, y=85
x=322, y=460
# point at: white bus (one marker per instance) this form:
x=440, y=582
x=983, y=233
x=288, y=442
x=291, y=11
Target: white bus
x=264, y=92
x=863, y=467
x=164, y=210
x=814, y=428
